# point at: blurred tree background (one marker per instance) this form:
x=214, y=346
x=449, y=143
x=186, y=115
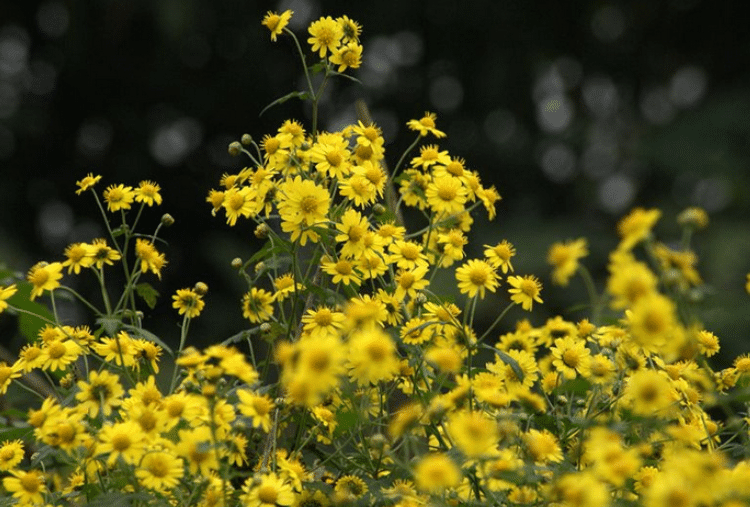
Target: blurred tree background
x=577, y=112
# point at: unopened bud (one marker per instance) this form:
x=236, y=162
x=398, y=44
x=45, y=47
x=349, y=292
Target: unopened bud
x=246, y=139
x=262, y=231
x=235, y=148
x=261, y=266
x=236, y=263
x=167, y=219
x=265, y=327
x=379, y=209
x=200, y=288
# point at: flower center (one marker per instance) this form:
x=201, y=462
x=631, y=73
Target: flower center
x=267, y=494
x=308, y=204
x=121, y=442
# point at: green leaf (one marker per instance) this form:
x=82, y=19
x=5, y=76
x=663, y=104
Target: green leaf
x=148, y=335
x=109, y=324
x=346, y=420
x=512, y=363
x=147, y=293
x=14, y=433
x=281, y=100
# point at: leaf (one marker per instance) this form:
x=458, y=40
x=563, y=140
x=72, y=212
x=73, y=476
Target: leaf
x=148, y=335
x=109, y=324
x=281, y=100
x=147, y=293
x=14, y=433
x=512, y=363
x=345, y=421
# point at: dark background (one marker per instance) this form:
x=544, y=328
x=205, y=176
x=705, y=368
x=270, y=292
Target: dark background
x=577, y=112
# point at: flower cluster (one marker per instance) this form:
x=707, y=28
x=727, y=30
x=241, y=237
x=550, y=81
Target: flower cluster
x=355, y=383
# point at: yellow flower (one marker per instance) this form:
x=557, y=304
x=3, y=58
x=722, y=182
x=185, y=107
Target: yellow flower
x=629, y=280
x=121, y=349
x=88, y=182
x=543, y=446
x=188, y=302
x=525, y=290
x=425, y=125
x=580, y=490
x=446, y=195
x=322, y=321
x=347, y=56
x=475, y=276
x=124, y=440
x=352, y=30
x=649, y=393
x=571, y=357
x=148, y=192
x=276, y=22
x=499, y=255
x=304, y=205
x=341, y=271
x=102, y=391
x=474, y=433
x=407, y=254
x=430, y=155
x=256, y=305
x=27, y=487
x=564, y=258
x=326, y=34
x=258, y=407
x=409, y=281
x=372, y=356
x=268, y=490
x=653, y=323
x=349, y=487
x=239, y=202
x=11, y=454
x=151, y=259
x=79, y=255
x=119, y=197
x=636, y=226
x=197, y=447
x=160, y=471
x=44, y=276
x=5, y=294
x=58, y=354
x=435, y=473
x=103, y=254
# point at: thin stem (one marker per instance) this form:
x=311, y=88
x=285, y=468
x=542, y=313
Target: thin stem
x=496, y=321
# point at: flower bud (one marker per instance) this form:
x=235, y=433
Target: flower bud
x=265, y=327
x=246, y=139
x=167, y=219
x=262, y=231
x=235, y=148
x=379, y=209
x=200, y=288
x=237, y=263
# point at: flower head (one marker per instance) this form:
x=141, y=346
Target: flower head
x=5, y=294
x=425, y=125
x=148, y=193
x=88, y=182
x=276, y=22
x=119, y=197
x=475, y=276
x=564, y=259
x=525, y=290
x=188, y=303
x=44, y=276
x=326, y=35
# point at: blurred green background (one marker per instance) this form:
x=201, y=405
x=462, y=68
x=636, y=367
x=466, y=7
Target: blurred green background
x=577, y=112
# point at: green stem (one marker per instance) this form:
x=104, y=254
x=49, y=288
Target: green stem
x=496, y=321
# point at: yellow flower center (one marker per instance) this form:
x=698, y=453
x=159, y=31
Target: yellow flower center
x=334, y=158
x=364, y=152
x=175, y=408
x=455, y=168
x=267, y=494
x=344, y=267
x=271, y=145
x=428, y=122
x=272, y=21
x=6, y=454
x=236, y=201
x=478, y=277
x=147, y=421
x=56, y=350
x=121, y=442
x=376, y=351
x=30, y=482
x=571, y=358
x=262, y=406
x=529, y=288
x=115, y=195
x=319, y=361
x=158, y=468
x=308, y=204
x=323, y=318
x=410, y=252
x=447, y=193
x=39, y=277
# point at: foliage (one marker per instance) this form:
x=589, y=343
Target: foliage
x=355, y=383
